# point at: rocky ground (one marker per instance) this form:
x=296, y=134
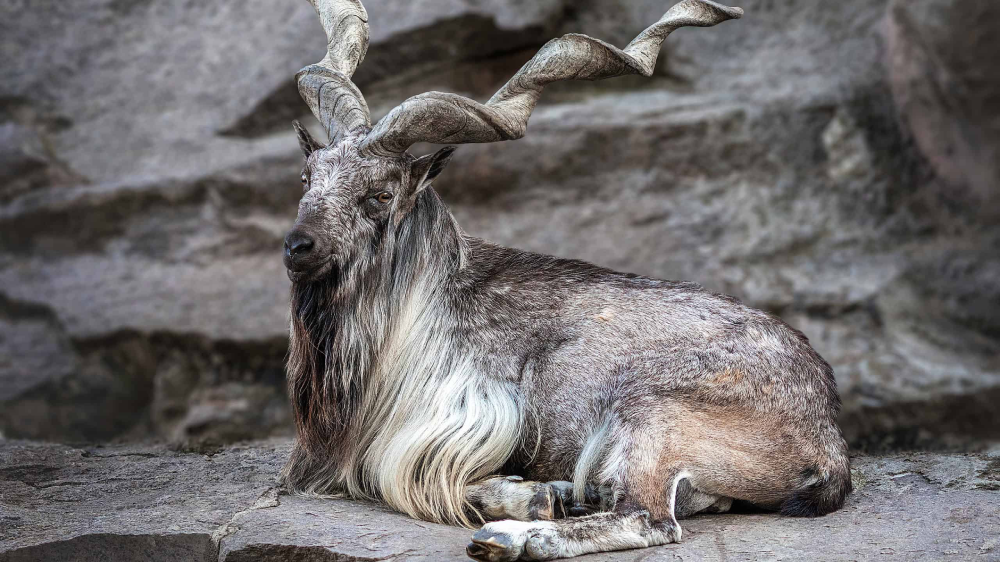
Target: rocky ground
x=146, y=502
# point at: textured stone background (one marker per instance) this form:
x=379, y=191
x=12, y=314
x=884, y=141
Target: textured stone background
x=834, y=162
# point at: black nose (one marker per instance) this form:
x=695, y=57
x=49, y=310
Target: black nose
x=298, y=242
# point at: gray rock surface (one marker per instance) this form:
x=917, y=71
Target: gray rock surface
x=124, y=502
x=145, y=502
x=148, y=173
x=940, y=61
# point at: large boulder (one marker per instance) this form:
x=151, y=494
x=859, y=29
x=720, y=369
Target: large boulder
x=773, y=158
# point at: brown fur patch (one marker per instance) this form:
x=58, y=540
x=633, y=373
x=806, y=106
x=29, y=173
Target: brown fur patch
x=606, y=315
x=729, y=375
x=739, y=454
x=728, y=452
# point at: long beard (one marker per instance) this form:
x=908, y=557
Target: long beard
x=333, y=342
x=320, y=407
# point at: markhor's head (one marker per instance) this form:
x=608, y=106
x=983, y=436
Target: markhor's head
x=364, y=181
x=350, y=203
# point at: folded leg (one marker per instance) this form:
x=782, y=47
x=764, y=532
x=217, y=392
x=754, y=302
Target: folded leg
x=630, y=525
x=690, y=501
x=511, y=497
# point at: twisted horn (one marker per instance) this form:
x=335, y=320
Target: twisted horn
x=326, y=86
x=444, y=118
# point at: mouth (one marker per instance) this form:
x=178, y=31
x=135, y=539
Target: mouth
x=311, y=274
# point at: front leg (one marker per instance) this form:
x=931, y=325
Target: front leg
x=629, y=525
x=507, y=541
x=512, y=497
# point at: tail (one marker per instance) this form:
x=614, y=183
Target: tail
x=823, y=491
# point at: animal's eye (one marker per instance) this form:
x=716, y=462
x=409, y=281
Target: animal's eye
x=305, y=179
x=384, y=197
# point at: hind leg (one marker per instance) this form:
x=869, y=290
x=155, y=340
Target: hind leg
x=630, y=525
x=691, y=501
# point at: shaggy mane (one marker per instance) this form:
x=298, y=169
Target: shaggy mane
x=387, y=404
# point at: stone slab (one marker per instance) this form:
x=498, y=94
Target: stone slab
x=147, y=502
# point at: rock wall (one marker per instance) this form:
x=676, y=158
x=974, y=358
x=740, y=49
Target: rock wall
x=832, y=162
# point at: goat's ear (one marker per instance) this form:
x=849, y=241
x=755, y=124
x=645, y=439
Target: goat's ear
x=306, y=142
x=426, y=168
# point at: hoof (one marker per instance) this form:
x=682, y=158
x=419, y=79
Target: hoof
x=564, y=493
x=554, y=500
x=546, y=505
x=487, y=546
